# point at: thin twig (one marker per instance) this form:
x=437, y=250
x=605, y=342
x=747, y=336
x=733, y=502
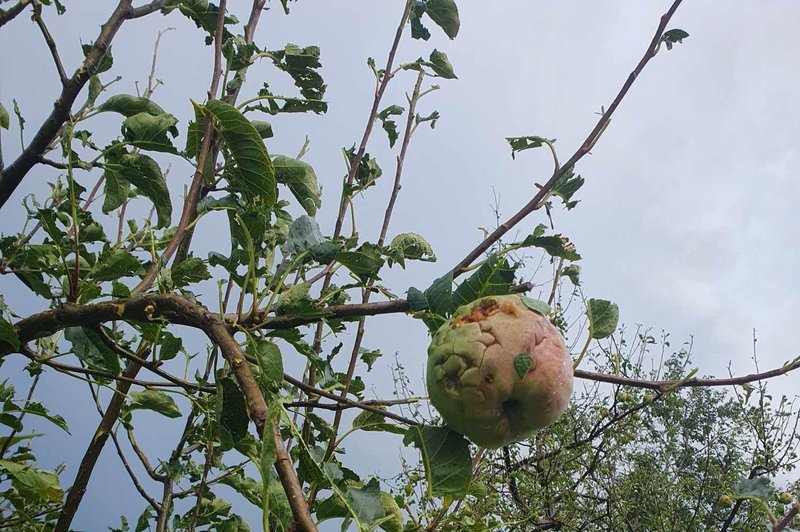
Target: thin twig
x=121, y=454
x=10, y=438
x=589, y=142
x=367, y=292
x=51, y=43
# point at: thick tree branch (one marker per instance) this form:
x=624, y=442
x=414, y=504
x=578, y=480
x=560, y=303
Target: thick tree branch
x=587, y=145
x=7, y=15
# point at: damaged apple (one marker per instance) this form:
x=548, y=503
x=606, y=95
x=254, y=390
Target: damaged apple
x=498, y=371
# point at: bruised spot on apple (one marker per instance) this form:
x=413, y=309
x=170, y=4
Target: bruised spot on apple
x=476, y=383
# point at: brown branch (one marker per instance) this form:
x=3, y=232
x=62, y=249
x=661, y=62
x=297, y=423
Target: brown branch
x=51, y=43
x=345, y=406
x=7, y=15
x=12, y=176
x=68, y=369
x=367, y=292
x=344, y=199
x=140, y=454
x=667, y=385
x=146, y=9
x=311, y=390
x=92, y=453
x=121, y=454
x=291, y=484
x=373, y=113
x=587, y=145
x=208, y=149
x=786, y=520
x=151, y=366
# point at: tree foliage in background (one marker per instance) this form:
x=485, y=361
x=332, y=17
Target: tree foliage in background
x=645, y=445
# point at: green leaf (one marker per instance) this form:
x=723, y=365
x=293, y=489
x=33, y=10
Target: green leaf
x=296, y=300
x=522, y=363
x=324, y=252
x=38, y=409
x=8, y=334
x=301, y=180
x=555, y=246
x=573, y=272
x=129, y=105
x=249, y=488
x=232, y=412
x=390, y=126
x=145, y=174
x=671, y=37
x=254, y=175
x=92, y=351
x=365, y=262
x=519, y=144
x=169, y=346
x=143, y=523
x=535, y=305
x=418, y=30
x=7, y=441
x=270, y=362
x=151, y=132
x=302, y=64
x=365, y=502
x=374, y=422
x=369, y=356
x=439, y=295
x=566, y=187
x=5, y=119
x=409, y=246
x=117, y=190
x=119, y=290
x=33, y=483
x=367, y=172
x=303, y=234
x=416, y=300
x=264, y=129
x=603, y=317
x=445, y=14
x=759, y=487
x=115, y=263
x=191, y=270
x=440, y=64
x=493, y=278
x=446, y=457
x=156, y=401
x=95, y=88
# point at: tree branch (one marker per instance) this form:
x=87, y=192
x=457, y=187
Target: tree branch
x=667, y=385
x=51, y=43
x=587, y=145
x=7, y=15
x=12, y=176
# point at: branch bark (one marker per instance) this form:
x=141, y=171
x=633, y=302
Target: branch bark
x=7, y=15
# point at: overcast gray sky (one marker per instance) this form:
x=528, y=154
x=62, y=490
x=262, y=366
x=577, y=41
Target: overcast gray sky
x=688, y=219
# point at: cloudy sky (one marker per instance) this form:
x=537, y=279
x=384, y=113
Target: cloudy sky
x=687, y=220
